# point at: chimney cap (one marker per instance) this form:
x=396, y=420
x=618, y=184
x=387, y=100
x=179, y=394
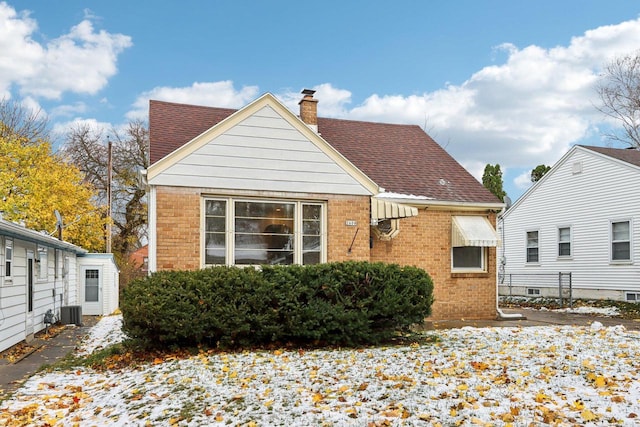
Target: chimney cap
x=309, y=92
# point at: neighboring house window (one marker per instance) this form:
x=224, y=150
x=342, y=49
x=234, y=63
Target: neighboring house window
x=564, y=241
x=42, y=263
x=532, y=247
x=254, y=232
x=632, y=296
x=469, y=258
x=8, y=258
x=620, y=241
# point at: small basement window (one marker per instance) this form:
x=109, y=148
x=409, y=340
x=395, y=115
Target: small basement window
x=533, y=291
x=632, y=296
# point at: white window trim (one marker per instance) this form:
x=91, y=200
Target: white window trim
x=636, y=296
x=621, y=261
x=42, y=264
x=230, y=219
x=526, y=247
x=8, y=243
x=562, y=257
x=483, y=262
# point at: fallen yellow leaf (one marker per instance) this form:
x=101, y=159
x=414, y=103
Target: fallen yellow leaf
x=587, y=415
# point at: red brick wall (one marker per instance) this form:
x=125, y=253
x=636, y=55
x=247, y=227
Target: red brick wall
x=425, y=241
x=177, y=228
x=340, y=235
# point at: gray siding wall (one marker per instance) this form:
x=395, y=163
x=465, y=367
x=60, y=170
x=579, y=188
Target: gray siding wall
x=605, y=191
x=265, y=153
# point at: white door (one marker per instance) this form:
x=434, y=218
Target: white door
x=91, y=288
x=29, y=293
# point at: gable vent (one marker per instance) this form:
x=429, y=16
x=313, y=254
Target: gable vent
x=576, y=168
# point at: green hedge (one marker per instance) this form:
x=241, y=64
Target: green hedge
x=338, y=303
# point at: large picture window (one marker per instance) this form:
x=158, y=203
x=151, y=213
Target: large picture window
x=215, y=231
x=255, y=232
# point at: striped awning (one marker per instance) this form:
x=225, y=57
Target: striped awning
x=384, y=209
x=473, y=231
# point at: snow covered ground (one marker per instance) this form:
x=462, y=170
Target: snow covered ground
x=561, y=376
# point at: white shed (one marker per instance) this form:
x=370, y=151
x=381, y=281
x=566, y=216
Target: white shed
x=583, y=218
x=98, y=279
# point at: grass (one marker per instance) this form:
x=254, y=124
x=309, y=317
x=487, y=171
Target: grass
x=130, y=353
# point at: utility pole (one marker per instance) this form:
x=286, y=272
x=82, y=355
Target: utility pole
x=109, y=167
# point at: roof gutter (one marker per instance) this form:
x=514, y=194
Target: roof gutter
x=422, y=202
x=16, y=231
x=501, y=314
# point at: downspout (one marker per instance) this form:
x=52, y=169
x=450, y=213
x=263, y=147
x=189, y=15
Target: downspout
x=501, y=314
x=151, y=219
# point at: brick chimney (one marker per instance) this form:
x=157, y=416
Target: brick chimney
x=309, y=109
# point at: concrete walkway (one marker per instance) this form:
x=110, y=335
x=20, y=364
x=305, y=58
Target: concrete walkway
x=534, y=317
x=47, y=351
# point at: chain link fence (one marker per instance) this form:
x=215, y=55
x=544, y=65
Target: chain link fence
x=537, y=285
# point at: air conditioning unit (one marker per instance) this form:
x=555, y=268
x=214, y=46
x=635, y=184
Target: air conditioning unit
x=71, y=314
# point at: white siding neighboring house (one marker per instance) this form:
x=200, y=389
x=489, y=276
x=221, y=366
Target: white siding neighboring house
x=39, y=273
x=583, y=218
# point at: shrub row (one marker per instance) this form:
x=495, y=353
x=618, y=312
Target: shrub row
x=346, y=303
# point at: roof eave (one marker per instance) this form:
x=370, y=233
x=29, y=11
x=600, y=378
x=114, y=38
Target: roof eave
x=19, y=232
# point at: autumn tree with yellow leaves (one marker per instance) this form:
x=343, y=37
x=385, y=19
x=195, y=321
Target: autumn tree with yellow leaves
x=35, y=182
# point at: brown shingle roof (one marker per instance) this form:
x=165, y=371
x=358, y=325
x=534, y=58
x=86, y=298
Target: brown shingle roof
x=631, y=155
x=172, y=125
x=400, y=158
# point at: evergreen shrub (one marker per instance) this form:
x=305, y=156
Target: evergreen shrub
x=348, y=303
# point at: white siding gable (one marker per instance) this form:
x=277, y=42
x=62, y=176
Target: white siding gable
x=263, y=152
x=585, y=191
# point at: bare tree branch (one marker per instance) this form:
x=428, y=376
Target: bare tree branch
x=87, y=149
x=619, y=91
x=15, y=119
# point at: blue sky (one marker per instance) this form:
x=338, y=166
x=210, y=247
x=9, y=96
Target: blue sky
x=508, y=82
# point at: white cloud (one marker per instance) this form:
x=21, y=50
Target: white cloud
x=81, y=61
x=68, y=110
x=523, y=112
x=333, y=103
x=61, y=129
x=19, y=54
x=523, y=181
x=528, y=109
x=33, y=105
x=215, y=94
